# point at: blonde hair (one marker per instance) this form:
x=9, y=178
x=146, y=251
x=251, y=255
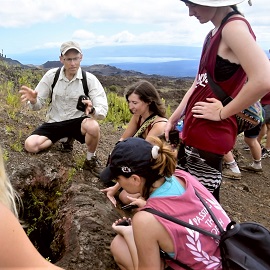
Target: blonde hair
x=8, y=196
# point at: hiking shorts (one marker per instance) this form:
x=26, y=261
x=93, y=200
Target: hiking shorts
x=57, y=130
x=253, y=132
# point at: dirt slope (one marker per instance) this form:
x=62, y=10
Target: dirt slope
x=244, y=200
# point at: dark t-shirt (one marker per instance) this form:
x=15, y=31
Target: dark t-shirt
x=213, y=136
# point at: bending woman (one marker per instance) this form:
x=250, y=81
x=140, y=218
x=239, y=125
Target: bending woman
x=148, y=119
x=149, y=169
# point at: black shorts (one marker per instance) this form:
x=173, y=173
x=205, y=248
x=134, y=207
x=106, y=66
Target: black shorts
x=253, y=132
x=57, y=130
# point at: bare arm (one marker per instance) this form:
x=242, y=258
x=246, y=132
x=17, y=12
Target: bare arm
x=127, y=233
x=16, y=249
x=146, y=230
x=157, y=127
x=179, y=110
x=131, y=128
x=255, y=64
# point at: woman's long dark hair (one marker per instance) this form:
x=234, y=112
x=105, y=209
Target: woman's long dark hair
x=235, y=8
x=148, y=94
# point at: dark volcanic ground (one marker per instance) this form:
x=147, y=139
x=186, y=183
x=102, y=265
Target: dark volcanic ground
x=80, y=232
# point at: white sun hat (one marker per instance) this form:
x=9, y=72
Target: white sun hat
x=216, y=3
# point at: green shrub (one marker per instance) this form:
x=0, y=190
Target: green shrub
x=118, y=112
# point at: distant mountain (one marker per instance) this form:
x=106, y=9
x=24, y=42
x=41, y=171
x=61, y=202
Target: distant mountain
x=148, y=59
x=165, y=60
x=10, y=61
x=52, y=64
x=104, y=70
x=184, y=68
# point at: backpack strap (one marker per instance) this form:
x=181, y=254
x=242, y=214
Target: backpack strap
x=218, y=91
x=181, y=222
x=209, y=211
x=84, y=81
x=56, y=77
x=190, y=226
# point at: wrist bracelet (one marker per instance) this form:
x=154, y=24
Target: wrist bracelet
x=220, y=115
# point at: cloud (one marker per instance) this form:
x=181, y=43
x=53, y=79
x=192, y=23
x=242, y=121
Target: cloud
x=106, y=22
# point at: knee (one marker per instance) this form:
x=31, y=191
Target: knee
x=31, y=145
x=91, y=126
x=113, y=246
x=116, y=249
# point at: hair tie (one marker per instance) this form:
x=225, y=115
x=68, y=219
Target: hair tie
x=155, y=151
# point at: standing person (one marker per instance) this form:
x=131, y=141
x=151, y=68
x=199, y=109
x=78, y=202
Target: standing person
x=16, y=250
x=149, y=169
x=64, y=120
x=231, y=169
x=230, y=55
x=148, y=119
x=265, y=101
x=251, y=139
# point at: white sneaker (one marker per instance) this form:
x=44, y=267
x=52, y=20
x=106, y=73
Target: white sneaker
x=228, y=173
x=63, y=140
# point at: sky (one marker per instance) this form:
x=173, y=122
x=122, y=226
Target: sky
x=28, y=25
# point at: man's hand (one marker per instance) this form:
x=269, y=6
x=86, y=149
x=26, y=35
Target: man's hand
x=28, y=94
x=89, y=106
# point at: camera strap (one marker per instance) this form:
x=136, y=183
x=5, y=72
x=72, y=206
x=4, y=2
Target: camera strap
x=147, y=122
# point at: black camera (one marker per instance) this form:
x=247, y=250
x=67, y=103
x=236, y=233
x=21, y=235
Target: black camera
x=124, y=222
x=129, y=206
x=80, y=105
x=173, y=137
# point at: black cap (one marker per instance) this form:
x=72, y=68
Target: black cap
x=129, y=156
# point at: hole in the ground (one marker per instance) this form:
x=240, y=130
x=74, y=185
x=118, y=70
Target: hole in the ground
x=40, y=209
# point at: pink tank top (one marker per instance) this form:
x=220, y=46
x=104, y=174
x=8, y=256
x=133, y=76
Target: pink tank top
x=190, y=247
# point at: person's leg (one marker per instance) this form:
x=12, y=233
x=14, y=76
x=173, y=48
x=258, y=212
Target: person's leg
x=262, y=133
x=250, y=137
x=206, y=167
x=36, y=143
x=43, y=137
x=256, y=152
x=255, y=148
x=266, y=149
x=121, y=254
x=91, y=130
x=231, y=169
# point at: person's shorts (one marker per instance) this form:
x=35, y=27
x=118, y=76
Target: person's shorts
x=266, y=108
x=253, y=132
x=57, y=130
